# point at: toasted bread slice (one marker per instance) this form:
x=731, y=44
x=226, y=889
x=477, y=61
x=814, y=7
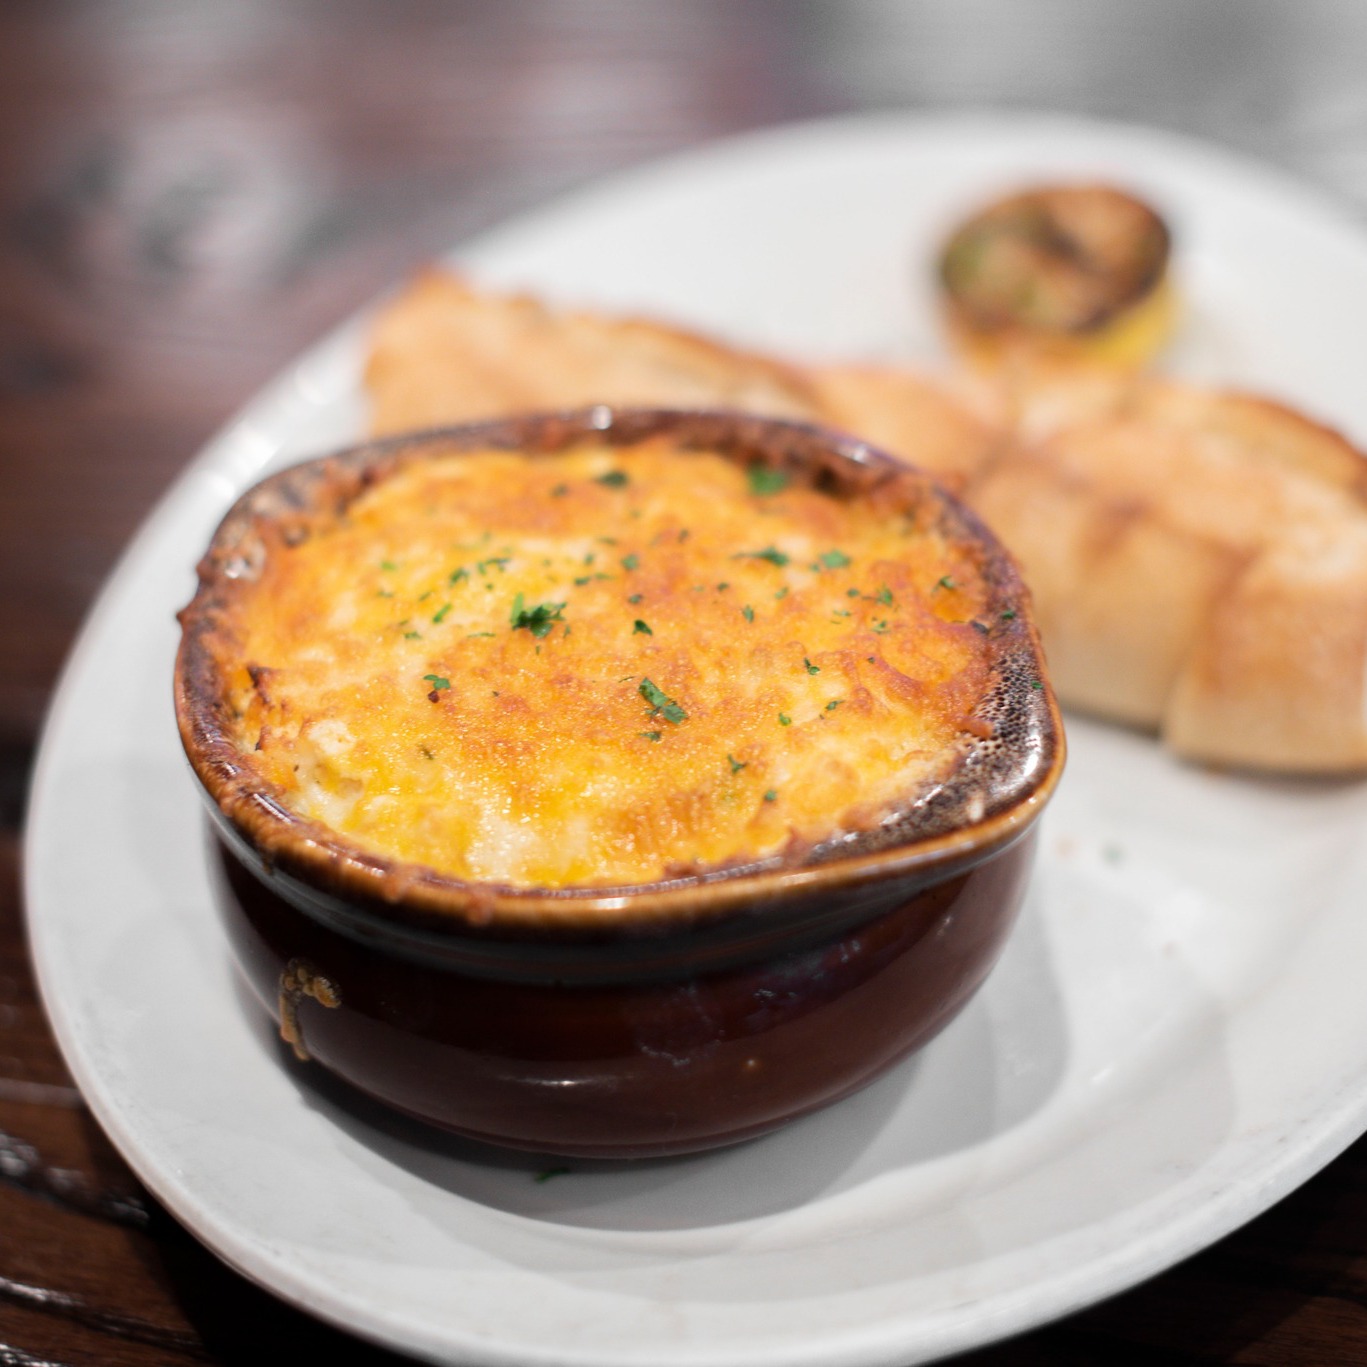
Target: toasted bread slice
x=443, y=352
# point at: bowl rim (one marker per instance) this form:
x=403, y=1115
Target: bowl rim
x=400, y=890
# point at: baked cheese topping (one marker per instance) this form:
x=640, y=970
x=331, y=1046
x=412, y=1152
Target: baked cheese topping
x=607, y=666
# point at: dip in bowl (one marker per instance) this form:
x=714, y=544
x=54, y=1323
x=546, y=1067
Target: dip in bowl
x=618, y=782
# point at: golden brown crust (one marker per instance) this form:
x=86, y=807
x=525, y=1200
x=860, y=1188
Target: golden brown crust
x=442, y=352
x=1004, y=754
x=1192, y=553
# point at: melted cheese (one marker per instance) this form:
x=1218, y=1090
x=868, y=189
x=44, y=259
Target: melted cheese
x=604, y=667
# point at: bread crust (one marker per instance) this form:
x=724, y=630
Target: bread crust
x=1197, y=558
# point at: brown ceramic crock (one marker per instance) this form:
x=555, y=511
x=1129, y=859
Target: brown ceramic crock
x=639, y=1020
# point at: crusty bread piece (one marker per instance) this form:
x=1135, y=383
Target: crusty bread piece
x=444, y=352
x=1198, y=559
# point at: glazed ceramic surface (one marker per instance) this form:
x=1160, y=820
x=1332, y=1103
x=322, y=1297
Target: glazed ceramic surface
x=628, y=1021
x=1175, y=1036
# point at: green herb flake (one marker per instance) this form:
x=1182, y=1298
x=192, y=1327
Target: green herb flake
x=412, y=636
x=770, y=553
x=880, y=627
x=582, y=580
x=631, y=562
x=811, y=668
x=560, y=491
x=383, y=593
x=661, y=703
x=613, y=479
x=736, y=765
x=835, y=560
x=1009, y=615
x=946, y=581
x=771, y=796
x=765, y=481
x=833, y=704
x=436, y=681
x=1036, y=685
x=885, y=596
x=388, y=565
x=649, y=735
x=475, y=635
x=723, y=586
x=781, y=594
x=538, y=620
x=784, y=719
x=851, y=593
x=440, y=613
x=635, y=598
x=748, y=613
x=639, y=628
x=456, y=576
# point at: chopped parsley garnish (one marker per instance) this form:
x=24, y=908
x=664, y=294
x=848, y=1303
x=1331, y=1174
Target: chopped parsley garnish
x=661, y=704
x=782, y=593
x=457, y=575
x=834, y=560
x=630, y=562
x=440, y=613
x=833, y=704
x=880, y=627
x=851, y=593
x=639, y=628
x=412, y=636
x=811, y=668
x=770, y=553
x=945, y=581
x=388, y=565
x=723, y=586
x=436, y=681
x=614, y=479
x=771, y=796
x=582, y=580
x=1009, y=615
x=748, y=613
x=1036, y=684
x=765, y=481
x=736, y=765
x=539, y=619
x=475, y=635
x=649, y=735
x=885, y=596
x=784, y=719
x=635, y=598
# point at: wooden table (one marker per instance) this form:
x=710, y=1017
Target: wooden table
x=189, y=193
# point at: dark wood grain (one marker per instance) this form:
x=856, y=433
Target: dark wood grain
x=190, y=192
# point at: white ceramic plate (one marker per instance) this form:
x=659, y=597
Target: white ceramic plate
x=1176, y=1037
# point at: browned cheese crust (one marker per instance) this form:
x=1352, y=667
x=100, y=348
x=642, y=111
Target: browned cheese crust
x=605, y=666
x=1198, y=560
